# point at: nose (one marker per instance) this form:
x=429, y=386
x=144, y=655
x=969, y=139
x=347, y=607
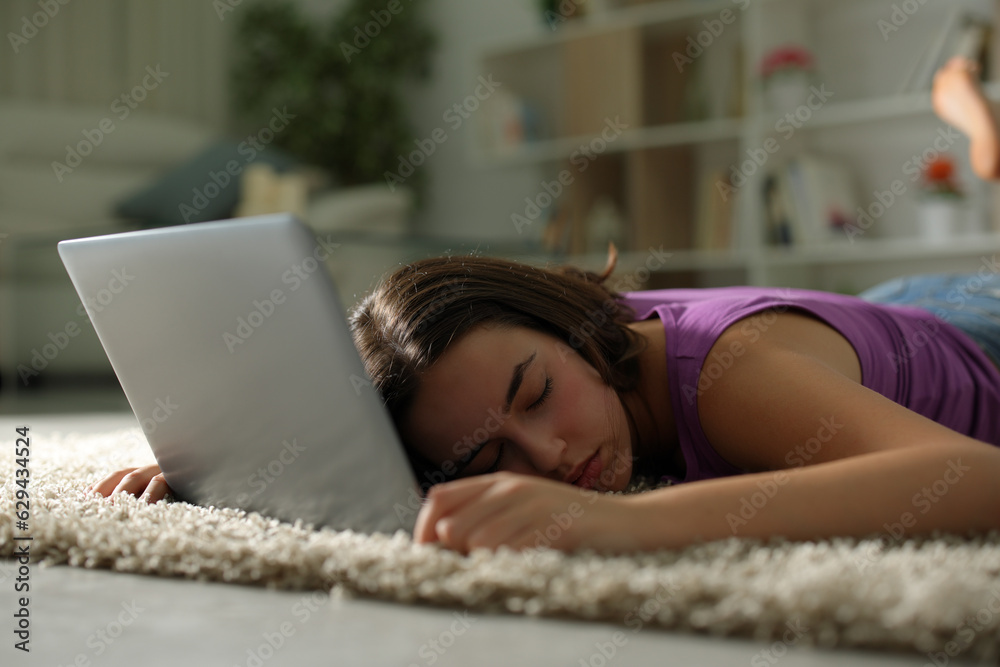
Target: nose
x=545, y=453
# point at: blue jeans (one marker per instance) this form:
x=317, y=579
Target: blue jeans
x=969, y=301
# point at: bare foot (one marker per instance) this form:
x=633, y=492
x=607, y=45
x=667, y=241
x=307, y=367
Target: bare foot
x=959, y=101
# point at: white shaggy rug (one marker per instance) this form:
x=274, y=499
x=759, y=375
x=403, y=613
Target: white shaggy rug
x=936, y=596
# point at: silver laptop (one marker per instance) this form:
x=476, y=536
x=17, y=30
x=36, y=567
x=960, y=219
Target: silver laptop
x=234, y=352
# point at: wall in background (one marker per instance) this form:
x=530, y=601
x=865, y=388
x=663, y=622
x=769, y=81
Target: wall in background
x=92, y=53
x=463, y=199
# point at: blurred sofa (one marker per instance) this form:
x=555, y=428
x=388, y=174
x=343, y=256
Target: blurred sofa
x=63, y=173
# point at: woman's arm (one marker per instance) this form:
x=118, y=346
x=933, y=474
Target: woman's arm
x=898, y=492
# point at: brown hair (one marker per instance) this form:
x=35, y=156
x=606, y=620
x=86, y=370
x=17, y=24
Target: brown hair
x=416, y=312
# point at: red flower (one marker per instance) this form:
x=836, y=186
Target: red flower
x=940, y=169
x=939, y=176
x=786, y=57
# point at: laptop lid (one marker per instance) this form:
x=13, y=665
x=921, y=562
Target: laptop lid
x=234, y=352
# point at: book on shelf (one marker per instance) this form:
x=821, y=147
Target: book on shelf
x=556, y=233
x=811, y=200
x=714, y=213
x=507, y=122
x=716, y=88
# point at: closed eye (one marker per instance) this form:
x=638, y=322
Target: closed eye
x=545, y=394
x=538, y=403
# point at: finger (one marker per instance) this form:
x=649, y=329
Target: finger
x=156, y=490
x=512, y=513
x=442, y=500
x=108, y=484
x=509, y=528
x=136, y=481
x=485, y=521
x=484, y=508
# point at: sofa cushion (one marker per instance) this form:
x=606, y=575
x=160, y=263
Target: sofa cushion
x=206, y=187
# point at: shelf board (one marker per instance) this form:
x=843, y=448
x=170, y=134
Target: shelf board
x=687, y=260
x=661, y=136
x=875, y=250
x=638, y=16
x=633, y=260
x=867, y=110
x=676, y=134
x=875, y=109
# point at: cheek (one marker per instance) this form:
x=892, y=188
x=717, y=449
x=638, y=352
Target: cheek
x=584, y=401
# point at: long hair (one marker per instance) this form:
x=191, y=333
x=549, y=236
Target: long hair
x=408, y=321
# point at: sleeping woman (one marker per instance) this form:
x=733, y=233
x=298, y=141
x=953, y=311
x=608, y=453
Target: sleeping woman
x=524, y=393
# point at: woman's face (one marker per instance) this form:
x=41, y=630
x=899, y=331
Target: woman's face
x=512, y=398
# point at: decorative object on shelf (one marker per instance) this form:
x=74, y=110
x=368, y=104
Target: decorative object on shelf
x=555, y=235
x=508, y=121
x=604, y=224
x=811, y=201
x=342, y=78
x=787, y=73
x=941, y=208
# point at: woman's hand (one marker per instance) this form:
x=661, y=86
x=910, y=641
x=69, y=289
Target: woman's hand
x=147, y=480
x=522, y=512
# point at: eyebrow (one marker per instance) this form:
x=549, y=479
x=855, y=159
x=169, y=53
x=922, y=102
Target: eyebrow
x=515, y=383
x=516, y=380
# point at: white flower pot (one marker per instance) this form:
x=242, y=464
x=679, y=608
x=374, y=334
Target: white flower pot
x=940, y=218
x=786, y=91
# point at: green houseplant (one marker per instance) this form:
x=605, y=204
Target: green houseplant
x=343, y=78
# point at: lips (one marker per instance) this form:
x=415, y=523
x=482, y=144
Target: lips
x=590, y=473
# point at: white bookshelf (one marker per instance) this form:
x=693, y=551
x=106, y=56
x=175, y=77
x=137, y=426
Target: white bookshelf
x=868, y=123
x=886, y=250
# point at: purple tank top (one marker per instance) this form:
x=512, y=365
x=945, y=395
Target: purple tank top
x=907, y=354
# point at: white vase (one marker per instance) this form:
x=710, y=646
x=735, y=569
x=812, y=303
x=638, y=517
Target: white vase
x=940, y=218
x=786, y=91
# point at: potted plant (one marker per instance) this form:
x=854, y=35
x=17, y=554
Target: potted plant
x=941, y=206
x=342, y=77
x=786, y=73
x=555, y=12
